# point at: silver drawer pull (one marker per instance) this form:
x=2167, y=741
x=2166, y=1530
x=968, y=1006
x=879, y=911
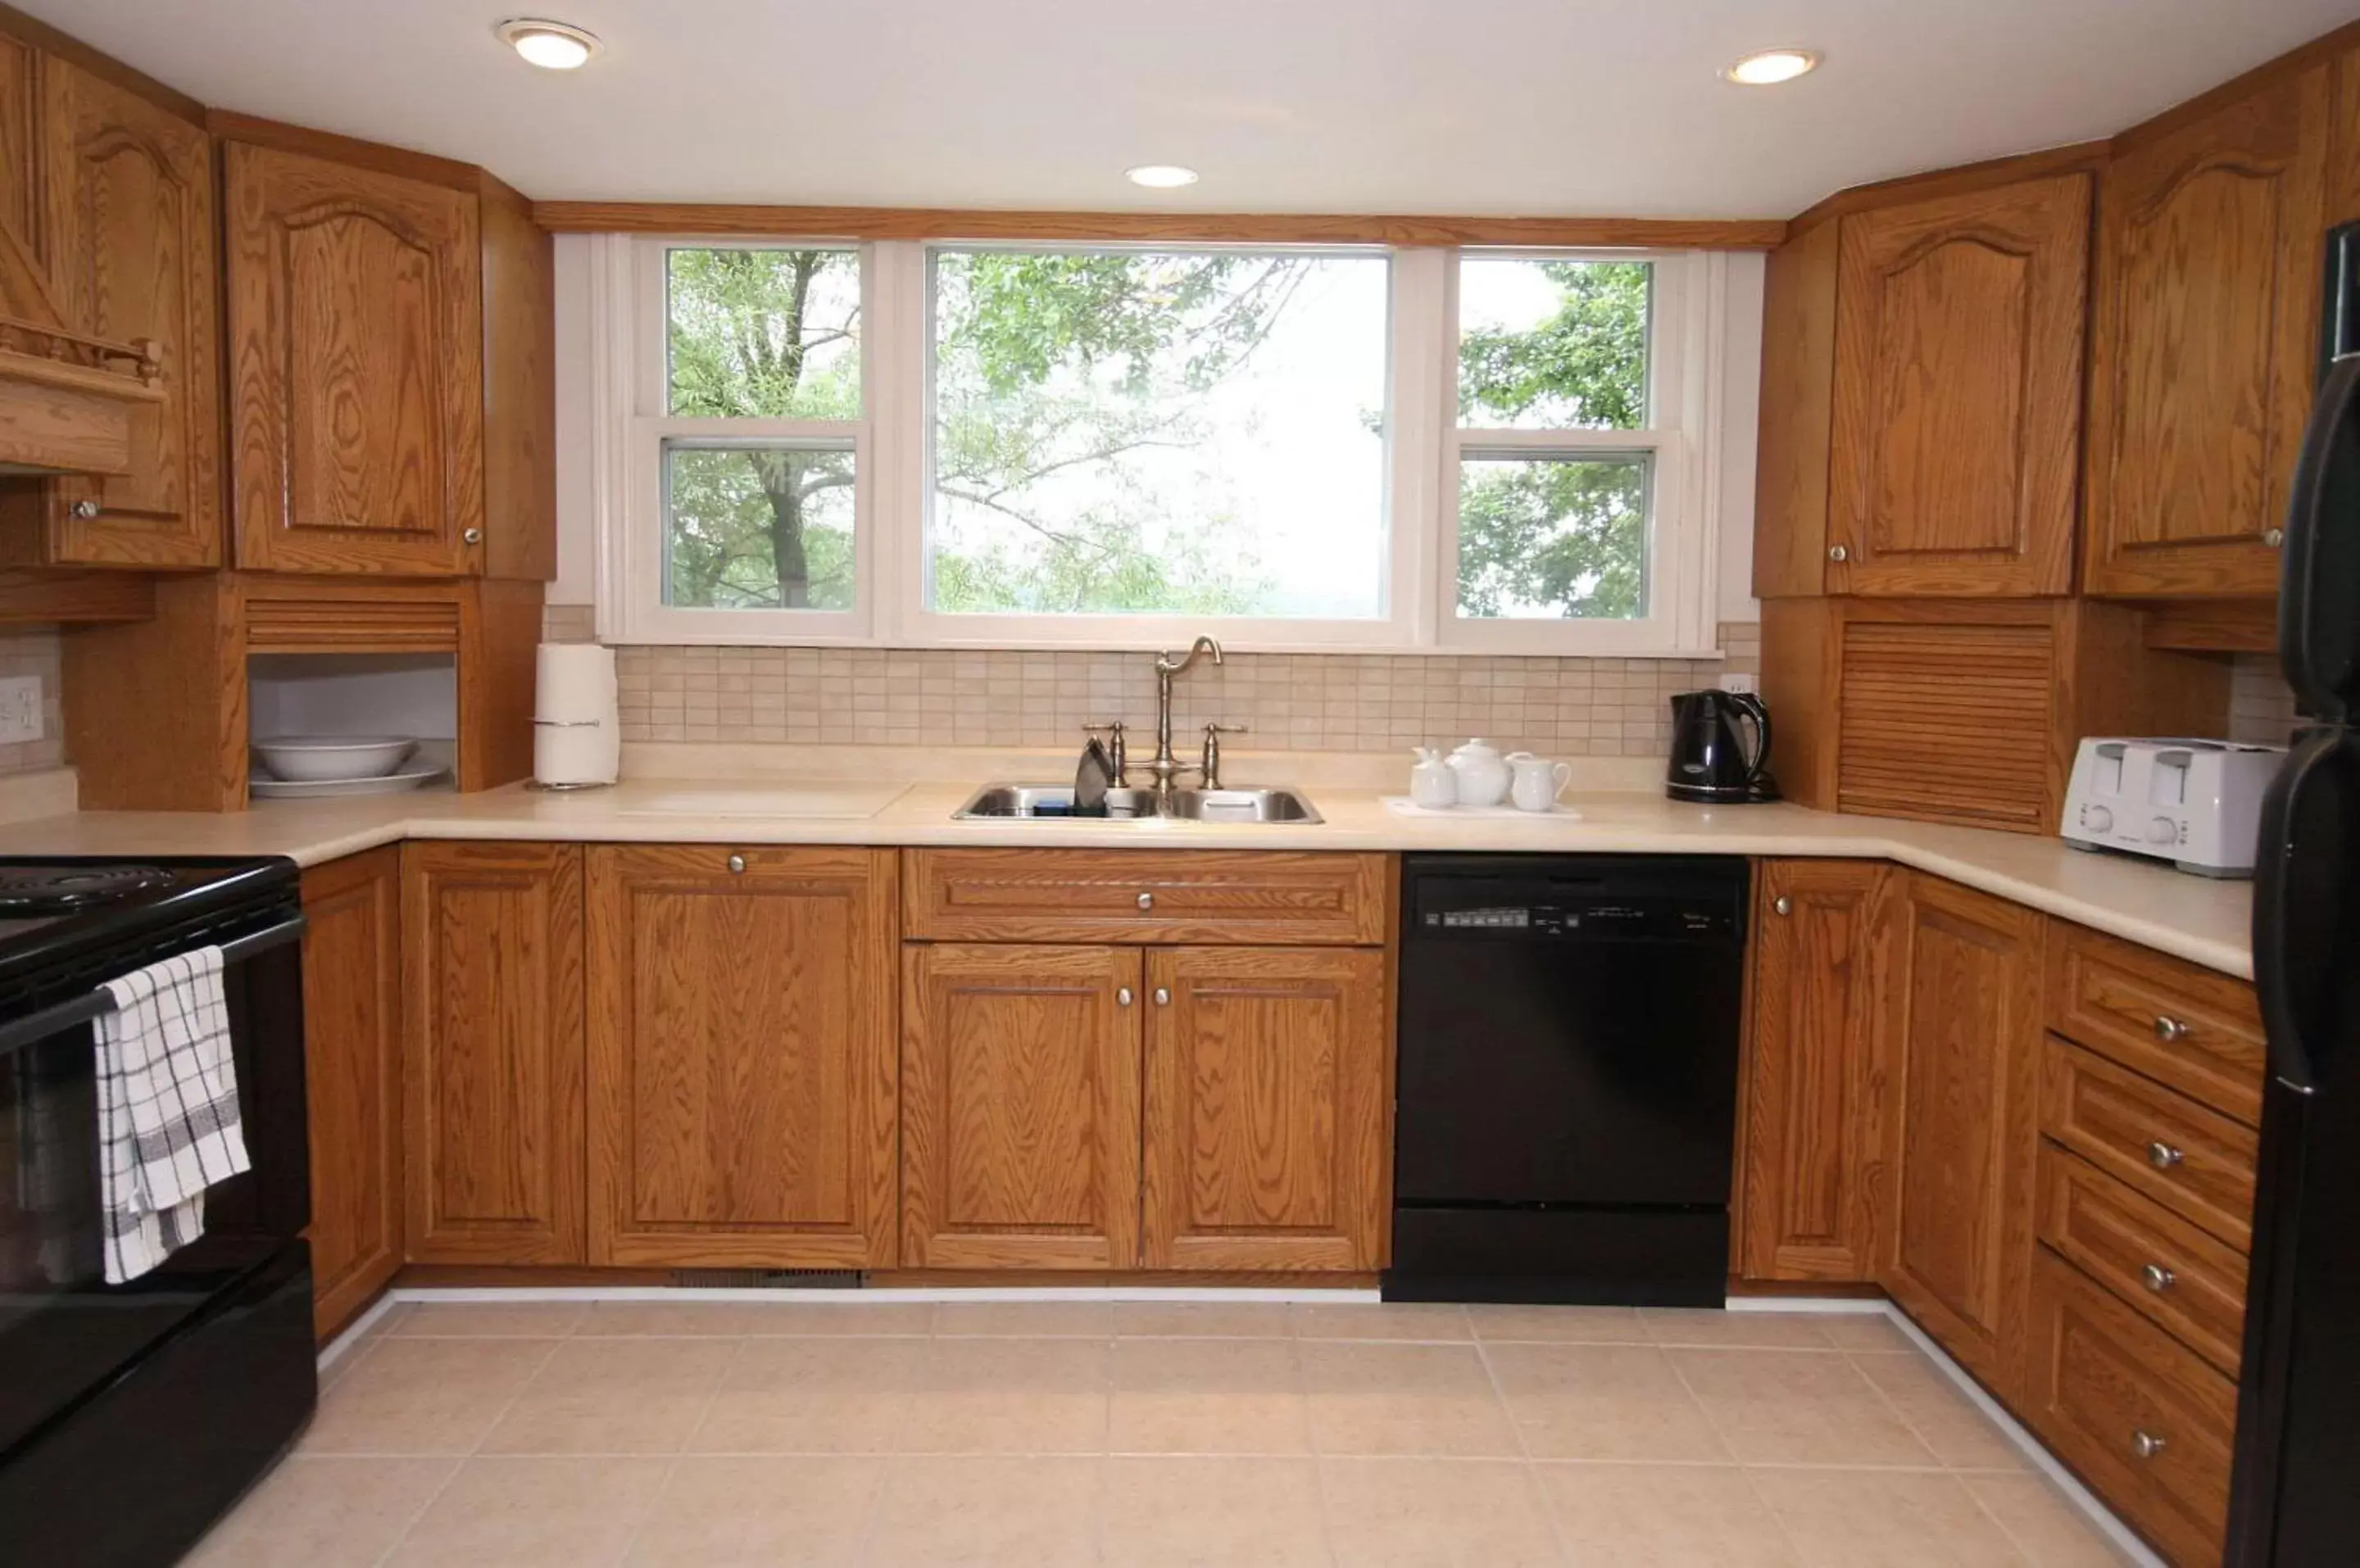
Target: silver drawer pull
x=2158, y=1278
x=2163, y=1156
x=473, y=536
x=2274, y=536
x=2146, y=1445
x=1837, y=553
x=736, y=864
x=85, y=510
x=1122, y=996
x=2169, y=1029
x=1784, y=906
x=1147, y=900
x=1162, y=997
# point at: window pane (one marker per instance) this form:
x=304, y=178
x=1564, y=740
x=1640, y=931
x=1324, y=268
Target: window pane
x=1553, y=345
x=771, y=334
x=1553, y=537
x=1120, y=432
x=757, y=526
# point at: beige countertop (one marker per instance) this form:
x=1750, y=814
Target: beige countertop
x=2201, y=920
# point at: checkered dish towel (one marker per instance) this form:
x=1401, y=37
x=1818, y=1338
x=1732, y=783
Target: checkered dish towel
x=168, y=1114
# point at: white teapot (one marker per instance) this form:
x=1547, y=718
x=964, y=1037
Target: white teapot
x=1431, y=784
x=1482, y=774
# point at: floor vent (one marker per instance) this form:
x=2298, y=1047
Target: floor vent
x=768, y=1279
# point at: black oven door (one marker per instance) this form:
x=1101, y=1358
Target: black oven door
x=65, y=1333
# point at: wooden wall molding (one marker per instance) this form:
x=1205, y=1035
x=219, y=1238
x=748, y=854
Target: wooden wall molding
x=1965, y=180
x=65, y=46
x=2294, y=62
x=44, y=598
x=253, y=129
x=1214, y=228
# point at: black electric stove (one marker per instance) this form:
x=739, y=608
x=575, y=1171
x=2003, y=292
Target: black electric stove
x=132, y=1416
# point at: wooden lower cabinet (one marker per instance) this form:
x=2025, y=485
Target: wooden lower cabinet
x=492, y=937
x=1816, y=1170
x=352, y=1063
x=1968, y=1131
x=742, y=1101
x=1268, y=1136
x=1019, y=1107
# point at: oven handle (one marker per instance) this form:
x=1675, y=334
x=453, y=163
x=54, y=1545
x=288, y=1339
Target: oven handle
x=39, y=1026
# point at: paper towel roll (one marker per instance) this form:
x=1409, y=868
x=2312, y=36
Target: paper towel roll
x=577, y=735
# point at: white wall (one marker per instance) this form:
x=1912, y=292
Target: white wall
x=576, y=529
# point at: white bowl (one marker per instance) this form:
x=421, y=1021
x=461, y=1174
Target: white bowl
x=305, y=758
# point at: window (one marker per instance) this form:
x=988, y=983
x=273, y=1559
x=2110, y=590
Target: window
x=1555, y=464
x=933, y=443
x=1142, y=433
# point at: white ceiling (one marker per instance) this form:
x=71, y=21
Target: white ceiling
x=1592, y=107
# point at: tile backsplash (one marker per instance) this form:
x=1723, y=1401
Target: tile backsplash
x=2261, y=704
x=1568, y=707
x=36, y=653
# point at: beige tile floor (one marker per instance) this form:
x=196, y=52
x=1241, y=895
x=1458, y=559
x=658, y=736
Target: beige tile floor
x=1039, y=1435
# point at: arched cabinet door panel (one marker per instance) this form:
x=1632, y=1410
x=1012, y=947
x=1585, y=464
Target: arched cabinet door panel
x=356, y=312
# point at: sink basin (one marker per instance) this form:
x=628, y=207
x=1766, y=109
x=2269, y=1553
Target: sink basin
x=1055, y=802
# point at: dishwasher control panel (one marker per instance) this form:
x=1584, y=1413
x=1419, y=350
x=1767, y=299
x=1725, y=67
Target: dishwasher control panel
x=1642, y=918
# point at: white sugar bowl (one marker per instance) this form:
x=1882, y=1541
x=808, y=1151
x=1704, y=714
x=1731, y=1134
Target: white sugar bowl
x=1482, y=774
x=1431, y=784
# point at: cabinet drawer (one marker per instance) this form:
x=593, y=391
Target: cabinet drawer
x=2138, y=1415
x=2195, y=1162
x=1124, y=895
x=2166, y=1269
x=2196, y=1031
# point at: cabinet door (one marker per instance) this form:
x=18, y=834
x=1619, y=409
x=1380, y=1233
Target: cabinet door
x=1819, y=1092
x=352, y=1063
x=2210, y=256
x=1267, y=1094
x=741, y=1056
x=1958, y=393
x=1019, y=1107
x=1968, y=1134
x=129, y=241
x=355, y=344
x=492, y=935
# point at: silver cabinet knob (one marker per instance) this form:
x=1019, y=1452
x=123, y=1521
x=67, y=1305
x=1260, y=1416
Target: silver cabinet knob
x=85, y=509
x=1784, y=906
x=1162, y=997
x=736, y=864
x=2274, y=538
x=2157, y=1278
x=2146, y=1444
x=1147, y=900
x=1122, y=996
x=2163, y=1156
x=473, y=536
x=1837, y=553
x=2169, y=1029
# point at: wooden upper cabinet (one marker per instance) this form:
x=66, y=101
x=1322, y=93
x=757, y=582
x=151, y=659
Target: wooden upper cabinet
x=1267, y=1139
x=492, y=942
x=1020, y=1106
x=1956, y=440
x=124, y=228
x=355, y=352
x=352, y=1063
x=2211, y=241
x=1968, y=1135
x=1819, y=1087
x=742, y=1082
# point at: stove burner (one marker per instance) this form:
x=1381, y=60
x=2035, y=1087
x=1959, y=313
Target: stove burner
x=61, y=890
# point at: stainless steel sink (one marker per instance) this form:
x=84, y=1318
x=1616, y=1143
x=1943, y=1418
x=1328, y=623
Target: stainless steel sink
x=1055, y=802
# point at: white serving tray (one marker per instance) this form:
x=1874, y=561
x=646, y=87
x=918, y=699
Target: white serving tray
x=1403, y=806
x=262, y=786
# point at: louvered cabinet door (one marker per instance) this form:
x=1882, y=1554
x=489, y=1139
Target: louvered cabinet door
x=1948, y=721
x=1956, y=447
x=355, y=348
x=2209, y=257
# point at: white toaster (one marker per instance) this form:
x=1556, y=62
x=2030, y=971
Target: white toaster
x=2197, y=803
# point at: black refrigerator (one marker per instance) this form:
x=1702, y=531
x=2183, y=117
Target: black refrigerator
x=2295, y=1499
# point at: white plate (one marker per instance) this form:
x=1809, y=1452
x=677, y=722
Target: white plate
x=264, y=787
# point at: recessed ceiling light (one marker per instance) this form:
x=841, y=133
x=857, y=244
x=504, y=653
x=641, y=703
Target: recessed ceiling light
x=1765, y=67
x=552, y=46
x=1160, y=176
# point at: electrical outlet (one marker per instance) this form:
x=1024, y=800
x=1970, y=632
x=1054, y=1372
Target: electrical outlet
x=20, y=710
x=1737, y=682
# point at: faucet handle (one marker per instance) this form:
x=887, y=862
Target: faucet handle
x=1209, y=770
x=1116, y=754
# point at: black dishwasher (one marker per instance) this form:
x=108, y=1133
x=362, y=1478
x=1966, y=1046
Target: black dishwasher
x=1566, y=1088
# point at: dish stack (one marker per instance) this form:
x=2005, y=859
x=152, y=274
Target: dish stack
x=577, y=735
x=309, y=766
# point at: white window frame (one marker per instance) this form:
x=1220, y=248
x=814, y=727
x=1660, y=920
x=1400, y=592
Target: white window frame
x=636, y=368
x=627, y=427
x=1680, y=439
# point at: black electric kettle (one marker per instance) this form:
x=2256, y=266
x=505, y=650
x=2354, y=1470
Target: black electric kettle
x=1710, y=758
